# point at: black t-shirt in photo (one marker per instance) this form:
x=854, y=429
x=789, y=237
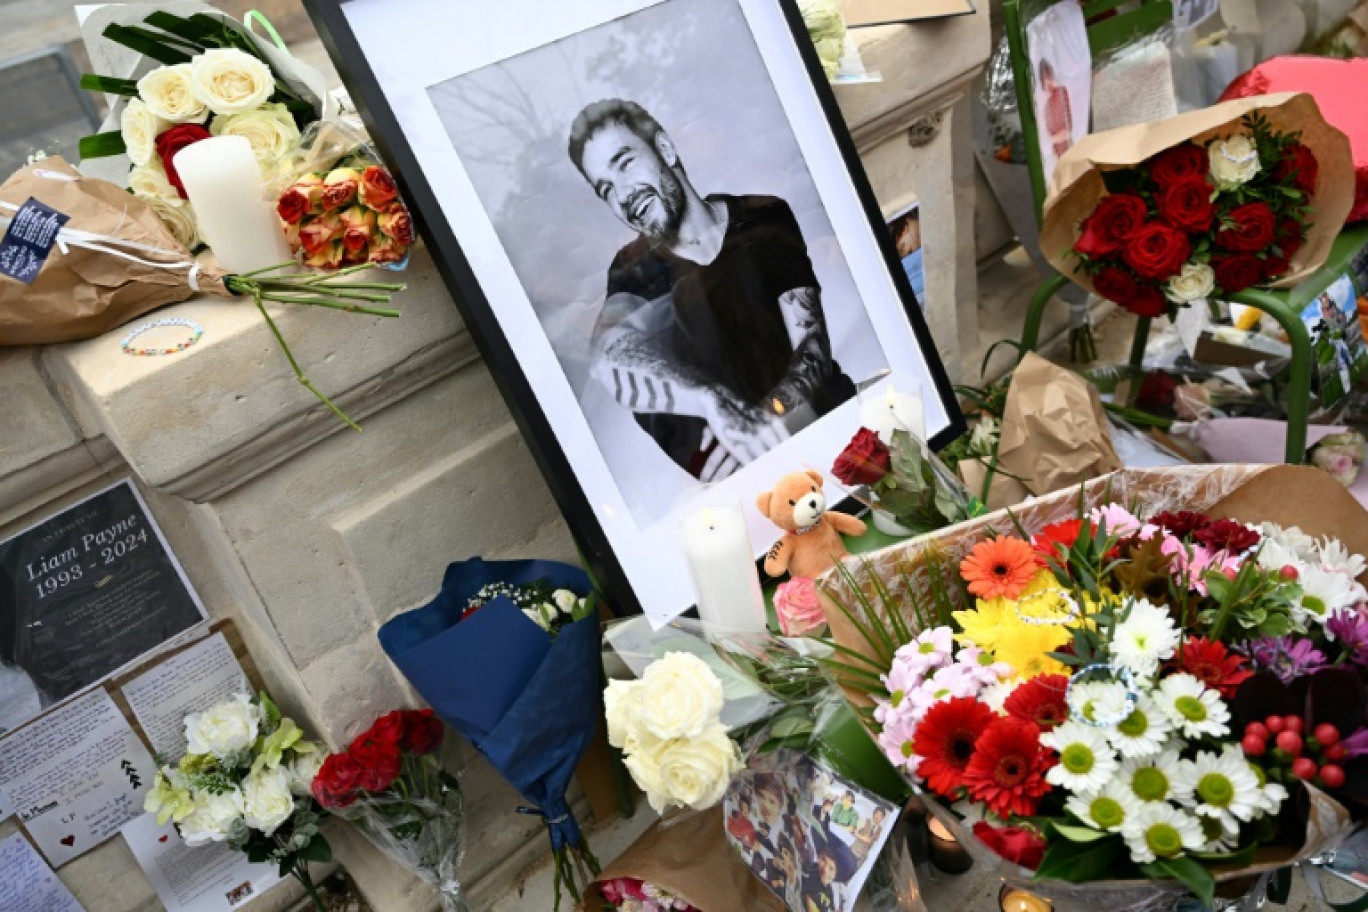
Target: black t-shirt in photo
x=727, y=321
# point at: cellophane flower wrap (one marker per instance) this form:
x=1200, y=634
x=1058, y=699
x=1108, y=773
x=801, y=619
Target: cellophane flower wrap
x=1142, y=688
x=521, y=685
x=339, y=204
x=391, y=786
x=1161, y=214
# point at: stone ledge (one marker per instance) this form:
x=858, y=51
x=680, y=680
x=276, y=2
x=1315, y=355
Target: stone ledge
x=200, y=423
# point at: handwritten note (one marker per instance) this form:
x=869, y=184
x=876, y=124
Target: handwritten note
x=190, y=681
x=27, y=884
x=75, y=776
x=1134, y=87
x=208, y=878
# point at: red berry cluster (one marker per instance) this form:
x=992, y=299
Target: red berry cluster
x=1315, y=759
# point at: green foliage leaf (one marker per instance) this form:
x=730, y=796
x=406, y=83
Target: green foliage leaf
x=1081, y=862
x=102, y=145
x=1080, y=834
x=317, y=850
x=1186, y=871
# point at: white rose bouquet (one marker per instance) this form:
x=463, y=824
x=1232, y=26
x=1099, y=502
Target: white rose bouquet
x=246, y=779
x=216, y=79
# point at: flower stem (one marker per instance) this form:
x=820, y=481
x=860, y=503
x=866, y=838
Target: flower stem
x=311, y=301
x=300, y=871
x=294, y=365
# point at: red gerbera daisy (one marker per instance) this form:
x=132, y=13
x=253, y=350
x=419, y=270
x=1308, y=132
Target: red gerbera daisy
x=944, y=740
x=999, y=567
x=1057, y=538
x=1227, y=535
x=1212, y=664
x=1040, y=700
x=1007, y=772
x=1182, y=523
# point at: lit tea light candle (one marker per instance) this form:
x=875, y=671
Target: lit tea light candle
x=894, y=411
x=223, y=182
x=946, y=853
x=1011, y=899
x=722, y=565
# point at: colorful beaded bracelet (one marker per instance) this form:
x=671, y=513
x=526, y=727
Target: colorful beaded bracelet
x=127, y=343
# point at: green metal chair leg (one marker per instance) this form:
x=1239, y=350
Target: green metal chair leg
x=1030, y=333
x=1299, y=380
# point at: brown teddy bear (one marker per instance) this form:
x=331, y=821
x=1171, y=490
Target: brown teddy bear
x=813, y=543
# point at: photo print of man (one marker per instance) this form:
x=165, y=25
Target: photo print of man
x=655, y=206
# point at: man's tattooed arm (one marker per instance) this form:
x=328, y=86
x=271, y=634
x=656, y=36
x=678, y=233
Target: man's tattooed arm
x=810, y=365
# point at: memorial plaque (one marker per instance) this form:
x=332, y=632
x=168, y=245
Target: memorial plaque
x=82, y=594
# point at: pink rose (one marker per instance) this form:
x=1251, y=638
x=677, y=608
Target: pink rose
x=799, y=609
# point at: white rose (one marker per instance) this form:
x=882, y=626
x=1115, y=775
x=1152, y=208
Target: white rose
x=167, y=93
x=229, y=81
x=1194, y=283
x=1234, y=161
x=695, y=771
x=213, y=817
x=681, y=696
x=223, y=728
x=267, y=799
x=269, y=129
x=149, y=181
x=139, y=125
x=565, y=600
x=645, y=770
x=537, y=618
x=622, y=711
x=305, y=769
x=178, y=218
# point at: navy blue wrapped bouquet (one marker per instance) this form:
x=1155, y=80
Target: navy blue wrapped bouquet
x=511, y=661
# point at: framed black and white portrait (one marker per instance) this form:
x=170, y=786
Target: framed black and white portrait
x=660, y=236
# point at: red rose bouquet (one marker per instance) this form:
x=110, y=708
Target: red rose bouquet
x=1156, y=216
x=389, y=783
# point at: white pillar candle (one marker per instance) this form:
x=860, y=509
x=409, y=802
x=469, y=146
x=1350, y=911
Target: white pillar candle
x=889, y=411
x=223, y=181
x=722, y=565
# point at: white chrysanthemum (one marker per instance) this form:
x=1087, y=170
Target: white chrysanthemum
x=1293, y=539
x=1323, y=593
x=1107, y=809
x=1099, y=702
x=1221, y=836
x=1143, y=733
x=1339, y=559
x=995, y=695
x=1161, y=831
x=1153, y=778
x=1220, y=785
x=1086, y=761
x=1273, y=556
x=1145, y=638
x=1193, y=708
x=1271, y=795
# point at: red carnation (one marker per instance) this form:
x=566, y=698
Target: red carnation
x=337, y=781
x=388, y=729
x=380, y=762
x=1182, y=523
x=1116, y=284
x=171, y=142
x=1015, y=844
x=1212, y=664
x=1149, y=301
x=1156, y=250
x=1301, y=166
x=1057, y=538
x=1007, y=772
x=1227, y=535
x=1113, y=221
x=1178, y=164
x=1040, y=701
x=864, y=461
x=1237, y=272
x=422, y=731
x=1247, y=229
x=1187, y=204
x=944, y=740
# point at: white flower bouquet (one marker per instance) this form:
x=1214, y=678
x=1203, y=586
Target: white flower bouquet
x=246, y=780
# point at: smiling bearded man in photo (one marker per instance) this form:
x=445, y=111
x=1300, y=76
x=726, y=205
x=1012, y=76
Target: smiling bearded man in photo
x=712, y=333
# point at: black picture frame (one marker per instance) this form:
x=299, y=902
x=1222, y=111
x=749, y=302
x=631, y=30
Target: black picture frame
x=359, y=77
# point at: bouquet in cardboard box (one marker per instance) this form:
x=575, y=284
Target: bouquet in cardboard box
x=1158, y=215
x=507, y=653
x=245, y=780
x=390, y=785
x=1159, y=677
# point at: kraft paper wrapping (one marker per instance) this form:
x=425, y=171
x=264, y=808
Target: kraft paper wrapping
x=689, y=856
x=1289, y=495
x=1077, y=183
x=81, y=293
x=1054, y=430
